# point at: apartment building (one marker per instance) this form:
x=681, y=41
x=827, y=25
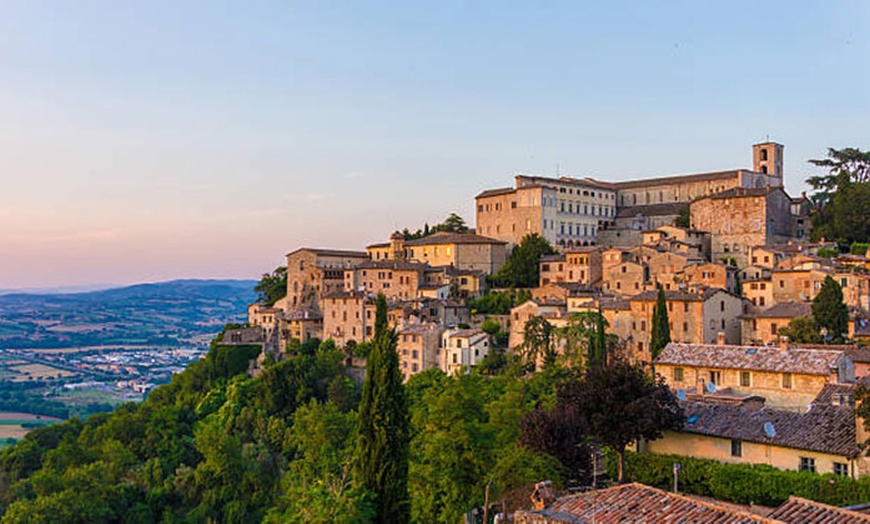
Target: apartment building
x=418, y=345
x=314, y=272
x=568, y=212
x=463, y=348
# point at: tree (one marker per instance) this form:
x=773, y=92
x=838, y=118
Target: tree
x=452, y=224
x=538, y=342
x=562, y=433
x=272, y=287
x=829, y=311
x=802, y=330
x=381, y=465
x=522, y=268
x=661, y=330
x=621, y=403
x=683, y=217
x=842, y=196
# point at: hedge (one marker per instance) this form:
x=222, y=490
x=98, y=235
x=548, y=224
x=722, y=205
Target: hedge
x=740, y=483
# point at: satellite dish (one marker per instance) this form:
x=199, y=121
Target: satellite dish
x=769, y=430
x=681, y=394
x=711, y=387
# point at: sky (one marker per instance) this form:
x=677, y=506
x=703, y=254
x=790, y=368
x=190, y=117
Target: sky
x=152, y=140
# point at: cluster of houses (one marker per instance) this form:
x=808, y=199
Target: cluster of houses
x=737, y=269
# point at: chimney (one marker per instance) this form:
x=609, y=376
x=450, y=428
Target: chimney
x=720, y=338
x=783, y=343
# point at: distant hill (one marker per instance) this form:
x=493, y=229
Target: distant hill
x=164, y=313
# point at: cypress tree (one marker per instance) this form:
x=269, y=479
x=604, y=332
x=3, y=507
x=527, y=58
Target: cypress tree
x=661, y=330
x=381, y=464
x=600, y=337
x=829, y=311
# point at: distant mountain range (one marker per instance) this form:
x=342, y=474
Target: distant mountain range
x=166, y=313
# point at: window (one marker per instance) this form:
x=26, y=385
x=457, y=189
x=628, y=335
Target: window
x=685, y=326
x=678, y=374
x=716, y=377
x=736, y=448
x=841, y=468
x=786, y=380
x=773, y=329
x=808, y=464
x=745, y=379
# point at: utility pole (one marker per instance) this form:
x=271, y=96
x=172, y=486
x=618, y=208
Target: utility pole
x=676, y=477
x=486, y=503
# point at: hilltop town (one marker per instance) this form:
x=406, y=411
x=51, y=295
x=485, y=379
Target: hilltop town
x=729, y=249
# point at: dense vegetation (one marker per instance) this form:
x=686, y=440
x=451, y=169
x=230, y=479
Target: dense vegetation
x=743, y=483
x=842, y=197
x=522, y=269
x=216, y=444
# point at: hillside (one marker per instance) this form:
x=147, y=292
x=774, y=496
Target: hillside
x=166, y=314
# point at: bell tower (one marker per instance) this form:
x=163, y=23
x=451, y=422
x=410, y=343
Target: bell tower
x=767, y=159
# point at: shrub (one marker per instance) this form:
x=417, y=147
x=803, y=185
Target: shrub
x=741, y=483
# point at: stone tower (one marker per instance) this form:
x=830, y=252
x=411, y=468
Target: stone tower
x=397, y=246
x=767, y=158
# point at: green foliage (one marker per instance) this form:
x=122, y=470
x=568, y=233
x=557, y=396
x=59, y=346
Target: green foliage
x=802, y=330
x=828, y=252
x=452, y=224
x=859, y=248
x=381, y=464
x=538, y=343
x=661, y=331
x=742, y=483
x=683, y=217
x=621, y=403
x=490, y=326
x=272, y=287
x=842, y=197
x=829, y=311
x=498, y=302
x=522, y=268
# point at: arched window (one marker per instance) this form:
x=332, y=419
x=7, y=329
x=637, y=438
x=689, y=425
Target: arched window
x=764, y=155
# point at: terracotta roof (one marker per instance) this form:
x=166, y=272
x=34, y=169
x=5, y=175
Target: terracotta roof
x=785, y=310
x=577, y=182
x=465, y=333
x=379, y=244
x=496, y=192
x=332, y=252
x=443, y=237
x=391, y=264
x=651, y=210
x=303, y=313
x=651, y=295
x=795, y=360
x=637, y=503
x=796, y=509
x=824, y=428
x=860, y=354
x=831, y=392
x=420, y=329
x=742, y=192
x=675, y=179
x=559, y=257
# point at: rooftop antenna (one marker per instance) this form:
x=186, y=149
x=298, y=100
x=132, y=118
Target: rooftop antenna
x=557, y=169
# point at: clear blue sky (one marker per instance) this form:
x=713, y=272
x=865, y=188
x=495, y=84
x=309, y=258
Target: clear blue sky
x=148, y=140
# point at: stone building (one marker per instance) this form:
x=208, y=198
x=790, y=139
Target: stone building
x=788, y=377
x=761, y=327
x=312, y=273
x=568, y=212
x=418, y=346
x=393, y=278
x=462, y=251
x=576, y=265
x=740, y=218
x=463, y=348
x=626, y=278
x=694, y=318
